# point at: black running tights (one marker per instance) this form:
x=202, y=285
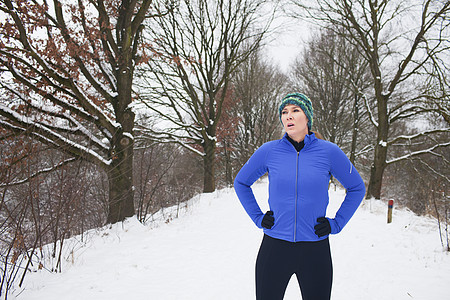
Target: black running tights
x=278, y=260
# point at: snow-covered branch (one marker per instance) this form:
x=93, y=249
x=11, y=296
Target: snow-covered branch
x=433, y=171
x=40, y=172
x=170, y=139
x=88, y=109
x=409, y=111
x=417, y=135
x=71, y=43
x=369, y=111
x=19, y=123
x=416, y=153
x=178, y=122
x=188, y=137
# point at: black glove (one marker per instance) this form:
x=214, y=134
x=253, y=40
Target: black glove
x=268, y=220
x=323, y=228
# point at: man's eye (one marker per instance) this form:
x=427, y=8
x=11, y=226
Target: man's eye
x=284, y=112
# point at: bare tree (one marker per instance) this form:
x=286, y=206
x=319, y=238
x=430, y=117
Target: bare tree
x=43, y=209
x=333, y=74
x=398, y=39
x=66, y=78
x=420, y=182
x=436, y=87
x=198, y=46
x=259, y=87
x=226, y=138
x=165, y=175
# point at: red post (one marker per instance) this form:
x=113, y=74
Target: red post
x=390, y=206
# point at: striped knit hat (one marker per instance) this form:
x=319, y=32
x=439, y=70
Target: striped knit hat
x=299, y=100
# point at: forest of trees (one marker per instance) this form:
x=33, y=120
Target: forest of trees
x=115, y=109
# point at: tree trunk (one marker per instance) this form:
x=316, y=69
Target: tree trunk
x=355, y=129
x=121, y=198
x=120, y=173
x=209, y=182
x=228, y=167
x=379, y=160
x=376, y=172
x=120, y=177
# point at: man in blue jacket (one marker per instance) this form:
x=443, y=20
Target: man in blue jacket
x=296, y=230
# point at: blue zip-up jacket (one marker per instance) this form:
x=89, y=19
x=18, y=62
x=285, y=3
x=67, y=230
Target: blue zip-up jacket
x=298, y=186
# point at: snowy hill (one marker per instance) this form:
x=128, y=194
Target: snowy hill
x=208, y=253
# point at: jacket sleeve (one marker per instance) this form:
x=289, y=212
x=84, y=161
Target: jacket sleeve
x=344, y=171
x=249, y=173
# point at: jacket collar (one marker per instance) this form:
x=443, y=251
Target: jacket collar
x=309, y=138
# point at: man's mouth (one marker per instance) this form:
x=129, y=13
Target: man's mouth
x=290, y=125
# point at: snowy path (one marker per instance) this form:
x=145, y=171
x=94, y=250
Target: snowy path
x=209, y=254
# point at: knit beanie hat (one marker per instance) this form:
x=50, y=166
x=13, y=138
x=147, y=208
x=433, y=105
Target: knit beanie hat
x=299, y=100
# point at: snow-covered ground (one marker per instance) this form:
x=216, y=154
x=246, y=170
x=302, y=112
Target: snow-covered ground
x=208, y=253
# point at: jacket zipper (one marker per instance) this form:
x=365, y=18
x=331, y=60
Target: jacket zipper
x=296, y=197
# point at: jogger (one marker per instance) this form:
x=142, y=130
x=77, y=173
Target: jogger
x=278, y=260
x=296, y=227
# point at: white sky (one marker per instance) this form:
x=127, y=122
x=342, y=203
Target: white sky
x=288, y=41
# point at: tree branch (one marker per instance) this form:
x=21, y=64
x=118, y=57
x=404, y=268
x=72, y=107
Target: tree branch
x=420, y=134
x=417, y=153
x=40, y=172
